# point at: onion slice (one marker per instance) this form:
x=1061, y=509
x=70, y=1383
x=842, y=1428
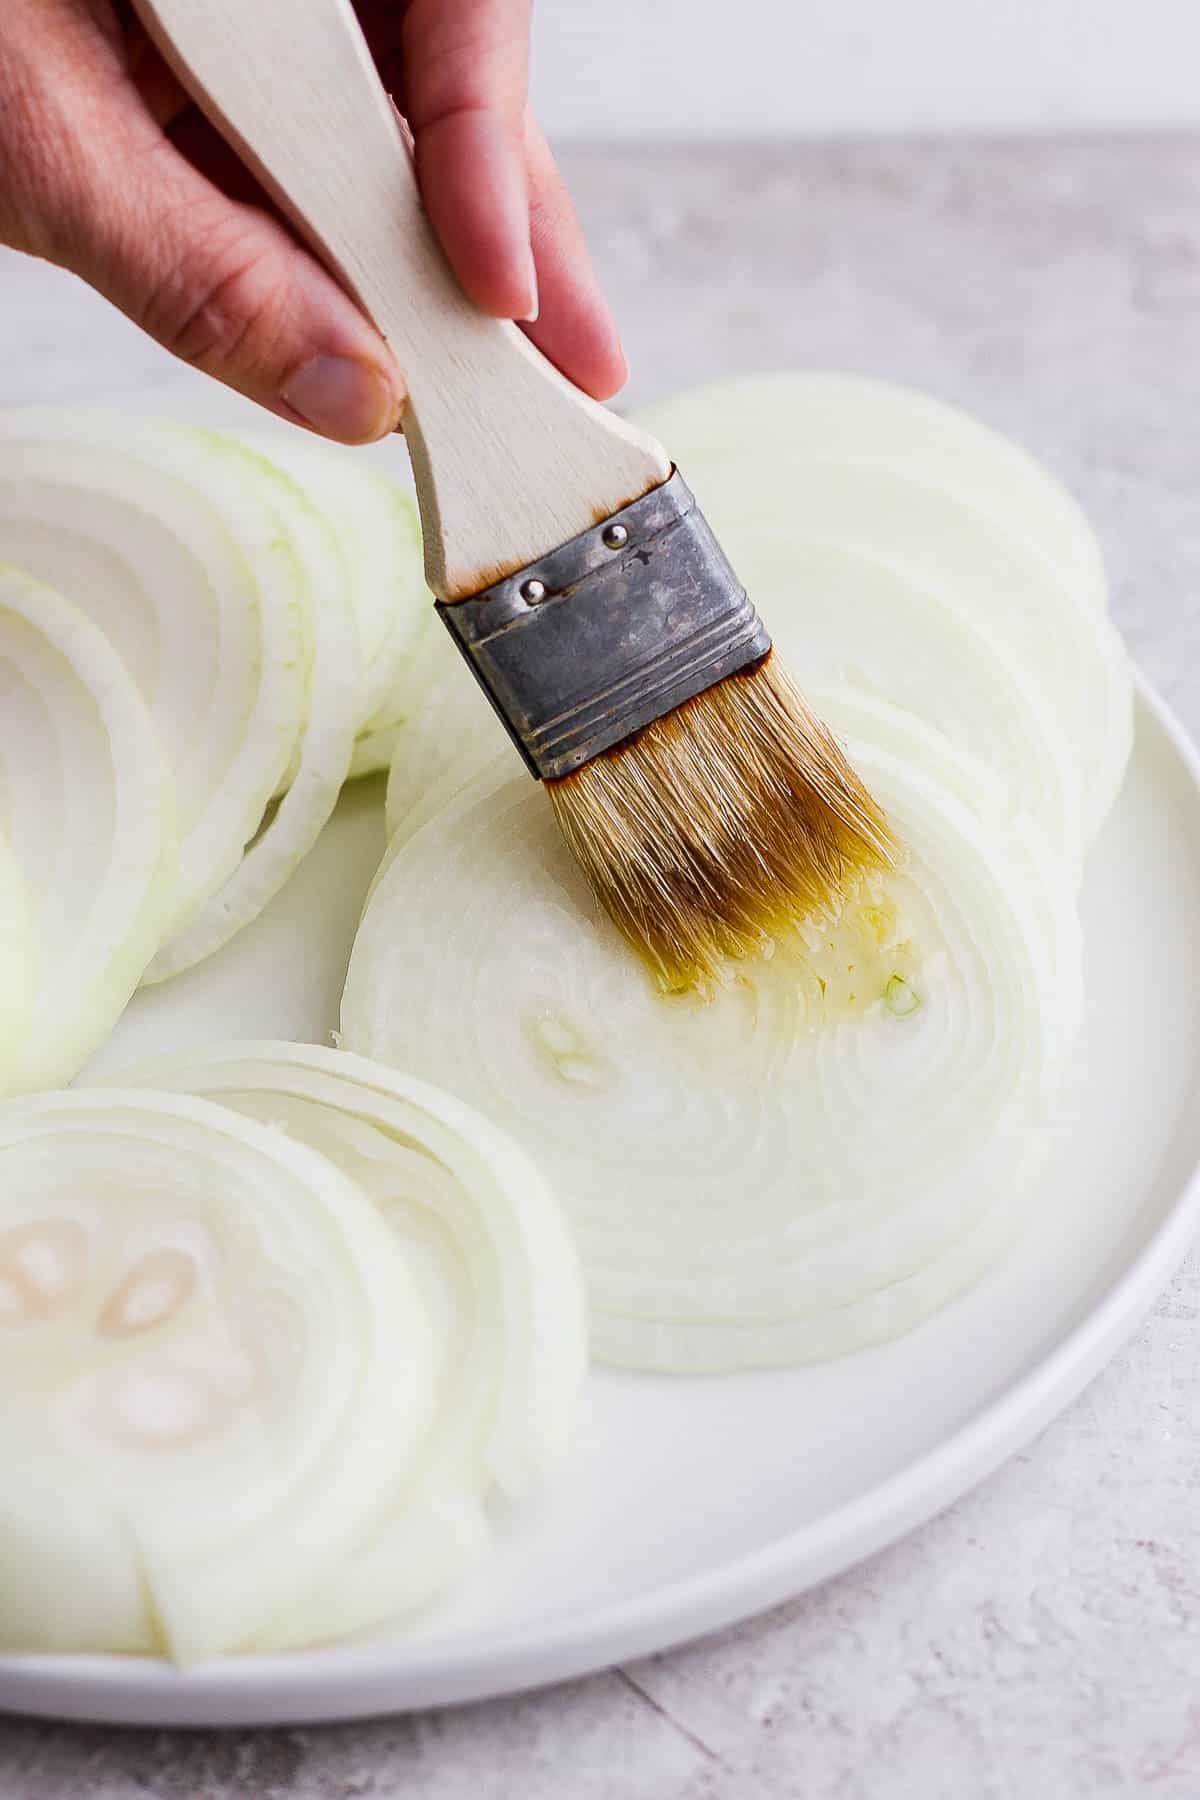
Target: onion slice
x=18, y=958
x=87, y=812
x=377, y=526
x=809, y=1160
x=212, y=1363
x=448, y=736
x=1070, y=658
x=159, y=537
x=484, y=1237
x=326, y=742
x=845, y=617
x=796, y=415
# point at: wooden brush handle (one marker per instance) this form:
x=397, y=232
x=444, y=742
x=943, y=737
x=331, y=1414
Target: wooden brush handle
x=510, y=458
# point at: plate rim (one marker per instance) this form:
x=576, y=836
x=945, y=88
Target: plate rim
x=364, y=1680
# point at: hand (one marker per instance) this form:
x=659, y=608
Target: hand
x=108, y=170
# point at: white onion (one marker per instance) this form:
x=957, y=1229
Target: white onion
x=309, y=665
x=482, y=1234
x=841, y=615
x=378, y=527
x=373, y=751
x=800, y=414
x=158, y=536
x=449, y=735
x=746, y=1188
x=87, y=811
x=18, y=950
x=213, y=1363
x=334, y=696
x=1071, y=661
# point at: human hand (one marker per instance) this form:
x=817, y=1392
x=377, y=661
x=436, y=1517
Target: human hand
x=108, y=170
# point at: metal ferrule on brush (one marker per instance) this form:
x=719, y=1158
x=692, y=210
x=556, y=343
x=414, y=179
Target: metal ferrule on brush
x=609, y=632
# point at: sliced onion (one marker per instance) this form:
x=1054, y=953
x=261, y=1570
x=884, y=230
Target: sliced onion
x=448, y=736
x=800, y=414
x=1071, y=660
x=480, y=1230
x=428, y=1547
x=333, y=710
x=373, y=751
x=158, y=537
x=745, y=1187
x=86, y=808
x=18, y=957
x=839, y=614
x=212, y=1364
x=379, y=530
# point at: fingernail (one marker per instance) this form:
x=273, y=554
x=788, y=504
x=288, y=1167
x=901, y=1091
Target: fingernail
x=343, y=398
x=532, y=280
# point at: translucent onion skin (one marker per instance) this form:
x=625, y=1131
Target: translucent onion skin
x=87, y=808
x=213, y=1361
x=746, y=1189
x=491, y=1249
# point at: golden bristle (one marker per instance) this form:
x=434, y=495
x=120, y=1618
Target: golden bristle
x=715, y=830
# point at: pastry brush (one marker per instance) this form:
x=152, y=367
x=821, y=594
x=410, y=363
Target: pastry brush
x=707, y=805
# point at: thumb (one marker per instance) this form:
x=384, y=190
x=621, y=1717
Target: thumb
x=223, y=285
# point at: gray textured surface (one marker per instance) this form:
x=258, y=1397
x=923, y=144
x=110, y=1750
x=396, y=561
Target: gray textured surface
x=1042, y=1638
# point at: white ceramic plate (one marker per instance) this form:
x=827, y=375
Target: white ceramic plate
x=694, y=1503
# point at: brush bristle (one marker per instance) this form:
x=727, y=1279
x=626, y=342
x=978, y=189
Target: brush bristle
x=716, y=829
